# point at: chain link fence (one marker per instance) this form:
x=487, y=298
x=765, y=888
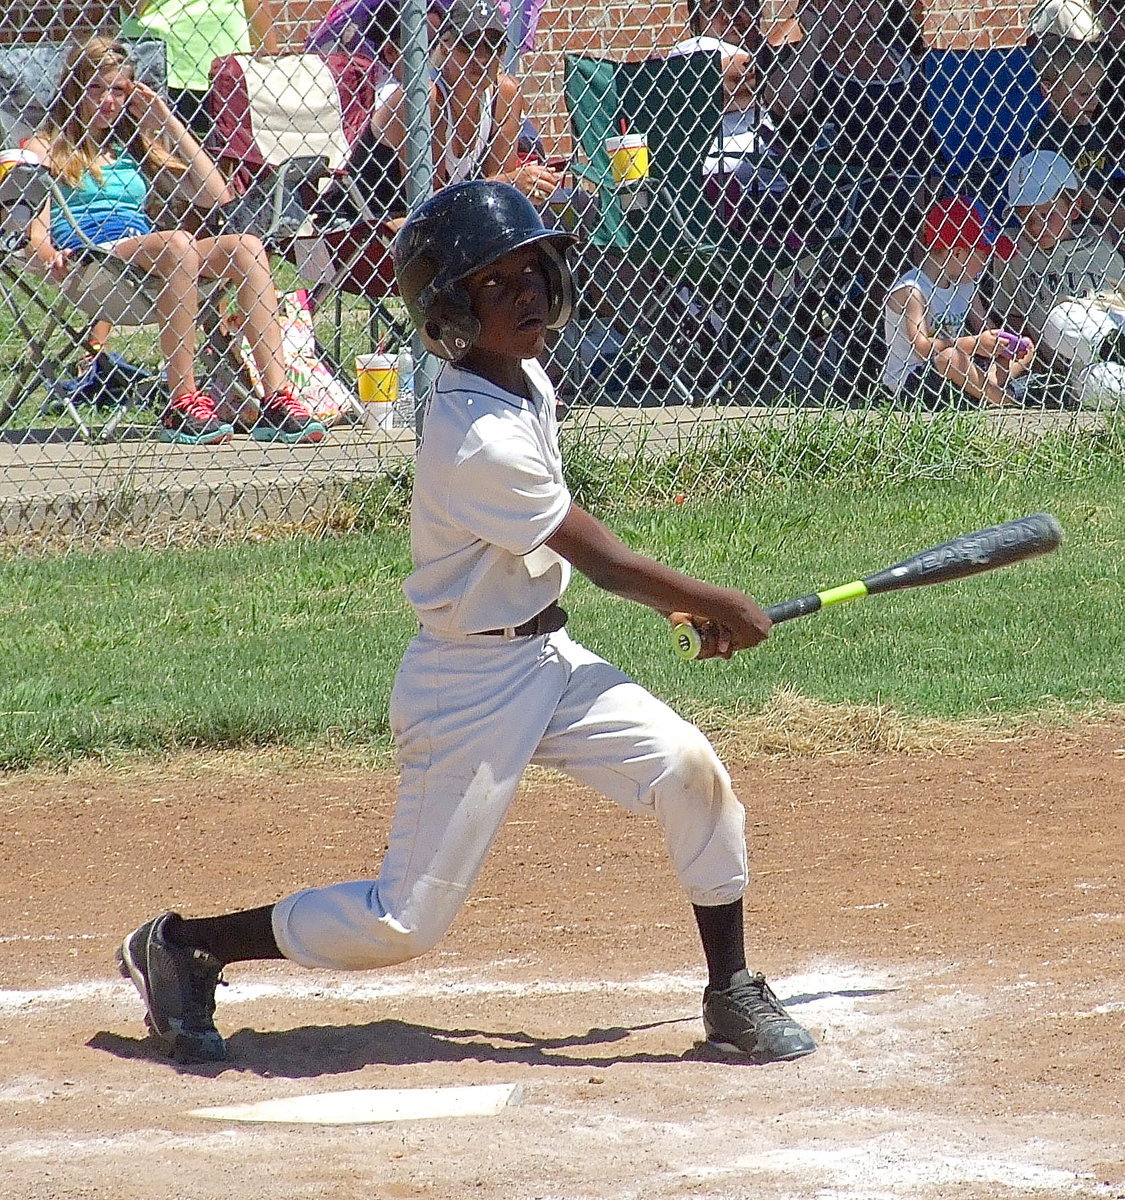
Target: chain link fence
x=772, y=278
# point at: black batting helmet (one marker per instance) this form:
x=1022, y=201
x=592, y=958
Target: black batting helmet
x=452, y=235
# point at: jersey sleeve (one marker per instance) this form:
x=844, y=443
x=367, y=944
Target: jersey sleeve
x=506, y=494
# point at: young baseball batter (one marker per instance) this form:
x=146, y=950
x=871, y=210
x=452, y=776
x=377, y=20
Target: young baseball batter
x=492, y=682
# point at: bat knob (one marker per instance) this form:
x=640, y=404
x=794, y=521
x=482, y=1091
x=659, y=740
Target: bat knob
x=686, y=641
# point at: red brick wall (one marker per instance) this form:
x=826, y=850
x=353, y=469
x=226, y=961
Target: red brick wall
x=952, y=25
x=26, y=20
x=630, y=29
x=607, y=26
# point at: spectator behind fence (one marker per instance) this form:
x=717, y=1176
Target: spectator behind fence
x=476, y=114
x=1074, y=20
x=934, y=318
x=853, y=92
x=1071, y=75
x=195, y=32
x=1063, y=284
x=1101, y=22
x=742, y=152
x=370, y=29
x=108, y=138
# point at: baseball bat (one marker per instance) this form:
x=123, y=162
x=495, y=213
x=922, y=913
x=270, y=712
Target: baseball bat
x=985, y=550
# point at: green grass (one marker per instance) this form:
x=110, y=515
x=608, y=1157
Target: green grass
x=295, y=643
x=725, y=456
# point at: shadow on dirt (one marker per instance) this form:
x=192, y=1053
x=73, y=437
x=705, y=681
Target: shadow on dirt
x=314, y=1050
x=844, y=993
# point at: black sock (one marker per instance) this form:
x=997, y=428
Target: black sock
x=720, y=929
x=234, y=937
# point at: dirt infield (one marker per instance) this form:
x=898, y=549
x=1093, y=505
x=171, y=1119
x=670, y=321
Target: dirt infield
x=951, y=928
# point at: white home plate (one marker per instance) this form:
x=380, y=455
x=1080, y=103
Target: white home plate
x=366, y=1106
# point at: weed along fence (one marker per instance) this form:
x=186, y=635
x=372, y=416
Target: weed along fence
x=748, y=201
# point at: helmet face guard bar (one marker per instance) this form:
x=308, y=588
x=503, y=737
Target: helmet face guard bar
x=452, y=236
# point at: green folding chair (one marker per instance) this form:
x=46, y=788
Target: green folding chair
x=698, y=276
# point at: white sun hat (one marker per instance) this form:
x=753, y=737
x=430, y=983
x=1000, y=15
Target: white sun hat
x=1038, y=177
x=1073, y=19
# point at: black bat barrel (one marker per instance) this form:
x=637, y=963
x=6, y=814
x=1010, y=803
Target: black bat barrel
x=996, y=546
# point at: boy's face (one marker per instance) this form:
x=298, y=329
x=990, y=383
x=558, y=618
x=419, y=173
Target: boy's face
x=966, y=262
x=1045, y=225
x=973, y=261
x=1074, y=95
x=511, y=300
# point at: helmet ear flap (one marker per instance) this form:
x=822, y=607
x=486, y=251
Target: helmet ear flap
x=560, y=284
x=450, y=329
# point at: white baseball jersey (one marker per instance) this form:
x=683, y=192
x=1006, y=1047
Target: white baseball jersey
x=488, y=493
x=470, y=710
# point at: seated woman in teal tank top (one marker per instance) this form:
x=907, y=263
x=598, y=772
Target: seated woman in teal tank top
x=105, y=212
x=105, y=141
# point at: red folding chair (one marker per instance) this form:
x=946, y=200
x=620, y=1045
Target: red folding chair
x=283, y=131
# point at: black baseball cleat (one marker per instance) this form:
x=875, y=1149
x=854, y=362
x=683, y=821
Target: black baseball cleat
x=746, y=1018
x=177, y=985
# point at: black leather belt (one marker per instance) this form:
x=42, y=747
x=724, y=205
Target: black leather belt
x=550, y=620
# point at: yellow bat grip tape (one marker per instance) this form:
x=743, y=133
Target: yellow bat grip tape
x=846, y=591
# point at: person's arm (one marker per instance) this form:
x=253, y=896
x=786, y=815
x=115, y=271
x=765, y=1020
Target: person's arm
x=203, y=182
x=502, y=163
x=1011, y=304
x=53, y=261
x=907, y=301
x=728, y=619
x=263, y=26
x=503, y=150
x=983, y=323
x=388, y=126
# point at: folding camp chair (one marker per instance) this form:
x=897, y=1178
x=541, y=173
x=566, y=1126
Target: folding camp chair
x=283, y=131
x=707, y=309
x=676, y=104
